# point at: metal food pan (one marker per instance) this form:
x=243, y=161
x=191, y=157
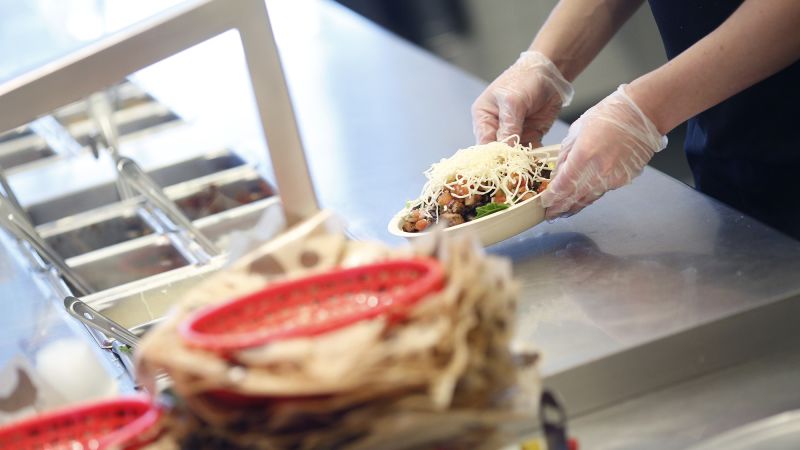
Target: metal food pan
x=73, y=203
x=218, y=227
x=21, y=147
x=130, y=120
x=195, y=168
x=21, y=142
x=18, y=158
x=125, y=95
x=142, y=259
x=140, y=304
x=152, y=115
x=98, y=232
x=106, y=194
x=217, y=196
x=14, y=134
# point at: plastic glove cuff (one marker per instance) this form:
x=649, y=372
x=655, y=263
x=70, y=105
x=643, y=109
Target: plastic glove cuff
x=648, y=124
x=554, y=76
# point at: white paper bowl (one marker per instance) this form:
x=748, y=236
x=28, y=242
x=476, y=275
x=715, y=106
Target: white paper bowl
x=494, y=227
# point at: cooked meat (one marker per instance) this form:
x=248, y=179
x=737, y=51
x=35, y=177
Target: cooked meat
x=452, y=219
x=455, y=206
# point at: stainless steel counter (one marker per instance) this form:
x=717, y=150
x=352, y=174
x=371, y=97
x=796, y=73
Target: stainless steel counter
x=646, y=261
x=650, y=260
x=680, y=415
x=653, y=285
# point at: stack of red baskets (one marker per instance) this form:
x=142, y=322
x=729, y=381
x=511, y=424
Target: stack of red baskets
x=123, y=423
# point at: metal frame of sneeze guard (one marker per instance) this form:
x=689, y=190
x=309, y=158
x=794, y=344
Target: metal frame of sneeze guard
x=107, y=61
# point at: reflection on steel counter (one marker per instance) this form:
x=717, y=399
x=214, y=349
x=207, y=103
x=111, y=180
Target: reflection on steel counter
x=214, y=198
x=107, y=272
x=99, y=235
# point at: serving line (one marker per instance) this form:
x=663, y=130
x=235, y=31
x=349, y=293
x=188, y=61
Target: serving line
x=628, y=287
x=653, y=285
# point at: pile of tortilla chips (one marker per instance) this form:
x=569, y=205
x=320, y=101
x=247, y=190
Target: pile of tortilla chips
x=444, y=376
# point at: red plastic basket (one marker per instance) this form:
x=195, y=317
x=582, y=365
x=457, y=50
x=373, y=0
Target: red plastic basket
x=313, y=305
x=120, y=423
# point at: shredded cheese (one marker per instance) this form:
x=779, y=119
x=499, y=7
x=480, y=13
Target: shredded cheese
x=506, y=165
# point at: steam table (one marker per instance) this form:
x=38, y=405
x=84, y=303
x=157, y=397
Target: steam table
x=663, y=316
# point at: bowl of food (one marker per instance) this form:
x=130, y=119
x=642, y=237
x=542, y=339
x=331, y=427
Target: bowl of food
x=492, y=191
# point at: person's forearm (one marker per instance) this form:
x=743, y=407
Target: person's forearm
x=759, y=39
x=577, y=30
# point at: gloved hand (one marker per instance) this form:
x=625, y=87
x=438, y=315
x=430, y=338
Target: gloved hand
x=604, y=149
x=524, y=100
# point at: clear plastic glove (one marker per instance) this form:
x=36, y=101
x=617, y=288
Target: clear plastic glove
x=605, y=149
x=524, y=100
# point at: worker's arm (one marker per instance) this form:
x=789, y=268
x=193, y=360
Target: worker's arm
x=526, y=99
x=612, y=142
x=757, y=40
x=577, y=30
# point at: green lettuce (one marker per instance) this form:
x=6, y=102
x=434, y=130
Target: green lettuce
x=490, y=208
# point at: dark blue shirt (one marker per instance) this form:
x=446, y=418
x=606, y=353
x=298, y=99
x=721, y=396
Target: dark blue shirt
x=746, y=150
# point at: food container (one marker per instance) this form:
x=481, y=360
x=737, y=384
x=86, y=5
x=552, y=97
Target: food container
x=17, y=133
x=492, y=228
x=145, y=302
x=219, y=226
x=195, y=168
x=97, y=231
x=213, y=198
x=129, y=262
x=106, y=194
x=130, y=120
x=10, y=157
x=124, y=95
x=133, y=111
x=21, y=146
x=73, y=203
x=140, y=304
